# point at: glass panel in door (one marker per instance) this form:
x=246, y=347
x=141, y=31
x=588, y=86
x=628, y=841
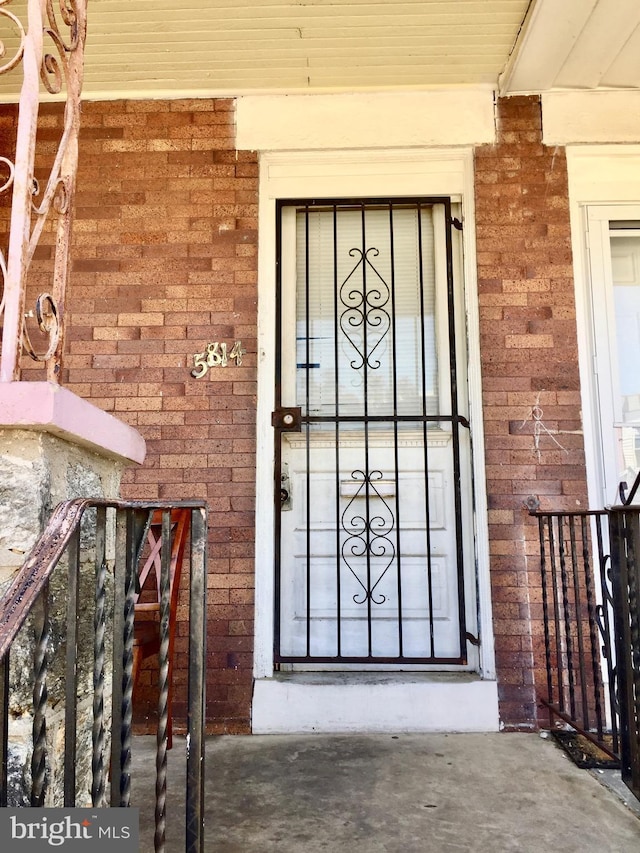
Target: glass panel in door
x=625, y=274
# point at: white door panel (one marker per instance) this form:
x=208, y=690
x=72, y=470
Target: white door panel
x=328, y=517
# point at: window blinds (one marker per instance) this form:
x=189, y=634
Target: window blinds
x=365, y=311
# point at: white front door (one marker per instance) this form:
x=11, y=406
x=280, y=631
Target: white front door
x=374, y=551
x=614, y=255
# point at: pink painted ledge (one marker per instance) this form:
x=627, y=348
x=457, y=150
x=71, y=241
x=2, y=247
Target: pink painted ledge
x=51, y=408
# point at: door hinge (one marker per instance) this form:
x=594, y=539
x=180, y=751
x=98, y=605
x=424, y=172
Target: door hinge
x=475, y=641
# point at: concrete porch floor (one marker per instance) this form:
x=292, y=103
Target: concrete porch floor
x=388, y=794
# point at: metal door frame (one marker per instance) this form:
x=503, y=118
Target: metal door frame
x=286, y=420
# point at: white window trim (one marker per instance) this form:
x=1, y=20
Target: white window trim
x=599, y=175
x=348, y=174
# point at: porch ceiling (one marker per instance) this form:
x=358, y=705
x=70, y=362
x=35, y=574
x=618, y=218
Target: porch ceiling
x=576, y=44
x=157, y=48
x=152, y=48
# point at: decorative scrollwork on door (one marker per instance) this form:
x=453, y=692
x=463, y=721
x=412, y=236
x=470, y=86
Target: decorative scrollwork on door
x=369, y=536
x=365, y=321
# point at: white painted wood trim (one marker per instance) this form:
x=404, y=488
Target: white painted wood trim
x=383, y=703
x=365, y=173
x=603, y=176
x=543, y=43
x=590, y=117
x=476, y=419
x=378, y=120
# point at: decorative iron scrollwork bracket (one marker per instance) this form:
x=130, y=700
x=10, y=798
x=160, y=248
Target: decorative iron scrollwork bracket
x=51, y=51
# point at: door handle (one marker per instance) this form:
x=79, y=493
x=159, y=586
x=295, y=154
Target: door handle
x=285, y=490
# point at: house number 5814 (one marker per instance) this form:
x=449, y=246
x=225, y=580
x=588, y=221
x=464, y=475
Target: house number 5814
x=216, y=355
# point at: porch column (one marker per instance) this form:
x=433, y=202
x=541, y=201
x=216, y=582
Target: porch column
x=54, y=446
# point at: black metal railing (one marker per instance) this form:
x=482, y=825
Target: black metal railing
x=624, y=526
x=71, y=607
x=577, y=615
x=590, y=577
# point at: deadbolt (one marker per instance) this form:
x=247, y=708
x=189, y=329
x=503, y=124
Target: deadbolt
x=287, y=419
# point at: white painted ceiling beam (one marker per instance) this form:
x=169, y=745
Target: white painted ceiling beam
x=550, y=31
x=602, y=39
x=624, y=72
x=575, y=45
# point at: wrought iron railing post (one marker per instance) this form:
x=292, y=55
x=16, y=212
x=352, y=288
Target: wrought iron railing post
x=197, y=676
x=40, y=667
x=99, y=653
x=575, y=627
x=163, y=684
x=624, y=526
x=118, y=653
x=545, y=607
x=28, y=598
x=4, y=729
x=22, y=197
x=62, y=65
x=71, y=670
x=589, y=579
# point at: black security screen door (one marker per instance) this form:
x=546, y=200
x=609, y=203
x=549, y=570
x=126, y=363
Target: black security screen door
x=369, y=563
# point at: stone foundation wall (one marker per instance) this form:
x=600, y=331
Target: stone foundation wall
x=37, y=471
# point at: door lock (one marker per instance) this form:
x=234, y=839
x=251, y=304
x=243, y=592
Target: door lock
x=287, y=419
x=285, y=490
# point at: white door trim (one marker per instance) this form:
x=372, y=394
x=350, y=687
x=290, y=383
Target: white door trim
x=365, y=173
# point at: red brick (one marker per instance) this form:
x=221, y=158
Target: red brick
x=149, y=268
x=528, y=346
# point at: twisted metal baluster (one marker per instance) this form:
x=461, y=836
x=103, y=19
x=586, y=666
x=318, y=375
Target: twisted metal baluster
x=98, y=732
x=71, y=670
x=39, y=755
x=127, y=665
x=163, y=679
x=122, y=659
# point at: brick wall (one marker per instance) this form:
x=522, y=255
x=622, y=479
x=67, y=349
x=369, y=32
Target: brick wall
x=164, y=263
x=529, y=360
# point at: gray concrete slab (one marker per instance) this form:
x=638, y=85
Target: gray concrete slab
x=435, y=793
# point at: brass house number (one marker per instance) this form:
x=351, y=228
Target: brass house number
x=216, y=355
